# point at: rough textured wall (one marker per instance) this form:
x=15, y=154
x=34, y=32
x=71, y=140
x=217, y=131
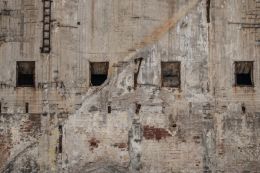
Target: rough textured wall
x=130, y=123
x=236, y=126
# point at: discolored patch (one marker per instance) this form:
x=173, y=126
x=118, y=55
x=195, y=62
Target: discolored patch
x=152, y=133
x=93, y=143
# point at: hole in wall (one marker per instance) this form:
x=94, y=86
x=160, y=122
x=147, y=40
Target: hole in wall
x=208, y=10
x=25, y=73
x=26, y=107
x=244, y=73
x=174, y=125
x=137, y=108
x=171, y=74
x=99, y=72
x=244, y=79
x=60, y=139
x=243, y=108
x=109, y=109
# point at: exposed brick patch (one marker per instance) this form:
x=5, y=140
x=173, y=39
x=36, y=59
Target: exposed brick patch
x=121, y=145
x=32, y=126
x=93, y=143
x=151, y=133
x=221, y=147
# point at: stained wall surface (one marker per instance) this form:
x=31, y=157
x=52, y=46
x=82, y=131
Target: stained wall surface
x=131, y=123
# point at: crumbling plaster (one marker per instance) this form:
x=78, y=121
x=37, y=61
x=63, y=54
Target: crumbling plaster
x=199, y=127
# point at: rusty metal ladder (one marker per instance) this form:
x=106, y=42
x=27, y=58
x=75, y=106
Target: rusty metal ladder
x=46, y=32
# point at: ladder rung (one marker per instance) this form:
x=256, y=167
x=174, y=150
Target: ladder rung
x=46, y=26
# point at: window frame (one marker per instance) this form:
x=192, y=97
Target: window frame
x=252, y=74
x=90, y=72
x=179, y=77
x=17, y=74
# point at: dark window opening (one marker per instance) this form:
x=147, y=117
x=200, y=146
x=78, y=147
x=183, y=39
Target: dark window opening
x=25, y=73
x=171, y=74
x=244, y=79
x=208, y=10
x=26, y=107
x=244, y=73
x=99, y=71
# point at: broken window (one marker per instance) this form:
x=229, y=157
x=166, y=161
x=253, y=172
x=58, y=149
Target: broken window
x=25, y=73
x=171, y=74
x=99, y=71
x=244, y=73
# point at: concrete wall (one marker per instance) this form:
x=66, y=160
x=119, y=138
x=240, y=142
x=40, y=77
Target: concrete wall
x=206, y=125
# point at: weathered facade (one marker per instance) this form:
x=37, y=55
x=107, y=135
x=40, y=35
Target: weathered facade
x=117, y=86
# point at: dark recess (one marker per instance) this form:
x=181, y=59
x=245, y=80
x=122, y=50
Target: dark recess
x=99, y=71
x=243, y=108
x=244, y=73
x=97, y=80
x=244, y=79
x=138, y=62
x=60, y=139
x=26, y=107
x=138, y=107
x=171, y=74
x=25, y=73
x=208, y=11
x=109, y=109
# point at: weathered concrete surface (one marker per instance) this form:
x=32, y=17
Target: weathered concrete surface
x=206, y=125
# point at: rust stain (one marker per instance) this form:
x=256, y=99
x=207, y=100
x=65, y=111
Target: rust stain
x=221, y=147
x=152, y=133
x=93, y=143
x=167, y=25
x=161, y=30
x=121, y=145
